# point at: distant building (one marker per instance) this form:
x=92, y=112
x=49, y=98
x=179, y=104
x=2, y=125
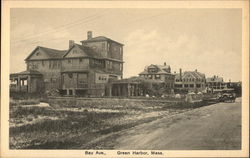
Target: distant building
x=190, y=81
x=80, y=70
x=161, y=73
x=215, y=84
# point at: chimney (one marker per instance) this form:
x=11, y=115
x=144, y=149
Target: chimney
x=89, y=35
x=181, y=74
x=165, y=64
x=71, y=43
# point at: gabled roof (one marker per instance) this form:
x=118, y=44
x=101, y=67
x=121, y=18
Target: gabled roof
x=162, y=69
x=52, y=53
x=100, y=38
x=89, y=51
x=194, y=74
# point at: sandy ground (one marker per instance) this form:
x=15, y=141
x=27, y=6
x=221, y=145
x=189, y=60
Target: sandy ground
x=214, y=127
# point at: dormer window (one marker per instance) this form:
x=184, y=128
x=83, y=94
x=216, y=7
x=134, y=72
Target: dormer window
x=152, y=70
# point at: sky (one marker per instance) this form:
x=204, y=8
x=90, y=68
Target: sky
x=208, y=40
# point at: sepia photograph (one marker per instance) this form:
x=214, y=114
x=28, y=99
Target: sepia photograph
x=134, y=80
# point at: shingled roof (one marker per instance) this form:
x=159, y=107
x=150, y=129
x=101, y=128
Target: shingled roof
x=195, y=74
x=26, y=72
x=100, y=38
x=52, y=53
x=162, y=69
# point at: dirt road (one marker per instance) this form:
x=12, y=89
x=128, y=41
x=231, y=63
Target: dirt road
x=214, y=127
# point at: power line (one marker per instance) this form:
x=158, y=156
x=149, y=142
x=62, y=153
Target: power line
x=69, y=25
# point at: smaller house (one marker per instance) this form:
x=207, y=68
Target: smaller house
x=190, y=81
x=161, y=73
x=215, y=84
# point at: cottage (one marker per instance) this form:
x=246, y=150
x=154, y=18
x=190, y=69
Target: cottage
x=160, y=73
x=215, y=84
x=190, y=81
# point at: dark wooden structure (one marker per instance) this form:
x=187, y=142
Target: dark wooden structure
x=83, y=69
x=27, y=81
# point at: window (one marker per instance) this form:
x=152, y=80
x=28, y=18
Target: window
x=108, y=46
x=59, y=64
x=120, y=67
x=110, y=65
x=70, y=75
x=157, y=76
x=150, y=76
x=103, y=46
x=191, y=85
x=38, y=53
x=54, y=66
x=152, y=70
x=69, y=61
x=198, y=85
x=185, y=85
x=50, y=64
x=80, y=60
x=53, y=80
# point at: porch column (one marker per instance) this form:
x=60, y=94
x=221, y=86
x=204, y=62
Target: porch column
x=29, y=84
x=18, y=84
x=136, y=89
x=110, y=90
x=128, y=89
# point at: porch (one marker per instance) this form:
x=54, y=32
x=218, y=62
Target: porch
x=29, y=81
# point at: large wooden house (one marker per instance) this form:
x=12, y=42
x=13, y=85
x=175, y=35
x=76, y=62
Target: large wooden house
x=82, y=69
x=190, y=81
x=159, y=73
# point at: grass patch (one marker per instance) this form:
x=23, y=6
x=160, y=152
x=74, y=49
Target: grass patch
x=75, y=127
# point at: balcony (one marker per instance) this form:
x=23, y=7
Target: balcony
x=82, y=85
x=75, y=68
